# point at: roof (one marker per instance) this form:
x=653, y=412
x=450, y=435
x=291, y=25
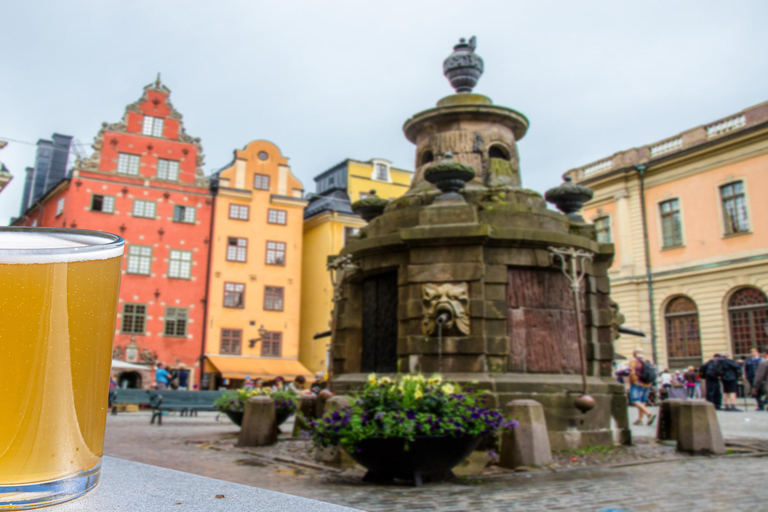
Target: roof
x=240, y=367
x=345, y=163
x=332, y=200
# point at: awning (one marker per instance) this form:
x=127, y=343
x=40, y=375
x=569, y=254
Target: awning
x=122, y=365
x=240, y=367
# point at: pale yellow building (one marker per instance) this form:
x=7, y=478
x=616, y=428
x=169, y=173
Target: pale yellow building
x=689, y=221
x=255, y=273
x=328, y=223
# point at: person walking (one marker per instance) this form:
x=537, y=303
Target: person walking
x=162, y=377
x=750, y=370
x=642, y=375
x=711, y=373
x=730, y=375
x=760, y=389
x=690, y=377
x=666, y=384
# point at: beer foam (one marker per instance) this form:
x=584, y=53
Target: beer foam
x=24, y=246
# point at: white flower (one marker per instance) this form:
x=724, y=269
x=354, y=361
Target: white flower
x=448, y=389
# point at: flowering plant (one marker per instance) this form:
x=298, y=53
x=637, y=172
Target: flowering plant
x=234, y=401
x=406, y=407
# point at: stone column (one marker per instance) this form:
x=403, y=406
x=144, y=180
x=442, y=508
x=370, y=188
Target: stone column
x=259, y=422
x=305, y=412
x=528, y=444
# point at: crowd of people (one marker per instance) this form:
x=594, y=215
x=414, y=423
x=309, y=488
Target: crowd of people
x=298, y=386
x=718, y=380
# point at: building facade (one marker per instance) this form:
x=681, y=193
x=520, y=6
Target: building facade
x=690, y=228
x=328, y=223
x=5, y=174
x=255, y=280
x=144, y=181
x=51, y=159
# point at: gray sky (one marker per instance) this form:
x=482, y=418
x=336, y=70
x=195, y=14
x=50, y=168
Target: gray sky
x=327, y=80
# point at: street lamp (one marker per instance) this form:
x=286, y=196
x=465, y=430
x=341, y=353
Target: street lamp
x=262, y=332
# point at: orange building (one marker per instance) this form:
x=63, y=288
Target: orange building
x=254, y=285
x=690, y=226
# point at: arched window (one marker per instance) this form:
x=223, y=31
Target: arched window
x=683, y=338
x=498, y=151
x=426, y=157
x=748, y=309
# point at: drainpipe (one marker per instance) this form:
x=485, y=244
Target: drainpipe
x=648, y=271
x=214, y=193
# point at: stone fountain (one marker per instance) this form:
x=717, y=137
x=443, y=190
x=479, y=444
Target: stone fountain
x=458, y=275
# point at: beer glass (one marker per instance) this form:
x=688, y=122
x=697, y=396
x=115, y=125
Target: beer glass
x=58, y=303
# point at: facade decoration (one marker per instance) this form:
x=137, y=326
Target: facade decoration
x=445, y=305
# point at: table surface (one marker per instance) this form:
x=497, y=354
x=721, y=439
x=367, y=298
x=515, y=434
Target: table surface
x=132, y=486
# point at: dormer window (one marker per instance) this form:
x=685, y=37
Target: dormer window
x=153, y=126
x=380, y=172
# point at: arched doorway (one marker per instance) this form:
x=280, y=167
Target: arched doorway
x=748, y=311
x=683, y=336
x=131, y=380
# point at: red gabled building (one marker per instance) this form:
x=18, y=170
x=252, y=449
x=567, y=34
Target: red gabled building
x=144, y=181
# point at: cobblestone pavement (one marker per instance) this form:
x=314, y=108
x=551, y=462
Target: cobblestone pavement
x=698, y=483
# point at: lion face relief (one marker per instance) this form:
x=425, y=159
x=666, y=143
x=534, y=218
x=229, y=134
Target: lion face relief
x=447, y=303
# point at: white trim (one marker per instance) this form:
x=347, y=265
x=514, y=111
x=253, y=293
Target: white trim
x=721, y=214
x=387, y=165
x=660, y=224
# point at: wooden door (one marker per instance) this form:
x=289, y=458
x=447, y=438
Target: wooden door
x=380, y=324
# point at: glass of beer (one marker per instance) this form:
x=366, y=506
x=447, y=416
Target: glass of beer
x=58, y=304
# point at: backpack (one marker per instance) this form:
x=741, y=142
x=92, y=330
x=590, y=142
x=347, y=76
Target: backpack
x=714, y=370
x=647, y=373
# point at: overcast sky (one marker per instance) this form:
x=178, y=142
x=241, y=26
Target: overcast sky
x=329, y=80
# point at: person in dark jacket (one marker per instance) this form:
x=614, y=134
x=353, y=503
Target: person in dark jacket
x=760, y=388
x=711, y=372
x=730, y=375
x=750, y=369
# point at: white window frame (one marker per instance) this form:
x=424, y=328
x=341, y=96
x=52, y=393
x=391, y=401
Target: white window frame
x=187, y=214
x=238, y=251
x=107, y=203
x=139, y=260
x=144, y=209
x=167, y=170
x=236, y=211
x=387, y=168
x=153, y=126
x=128, y=163
x=274, y=216
x=60, y=206
x=180, y=264
x=609, y=219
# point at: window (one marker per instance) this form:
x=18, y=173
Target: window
x=683, y=337
x=105, y=204
x=275, y=253
x=231, y=341
x=180, y=264
x=176, y=321
x=748, y=309
x=276, y=216
x=128, y=164
x=261, y=182
x=234, y=294
x=272, y=344
x=380, y=172
x=671, y=227
x=238, y=211
x=273, y=298
x=134, y=318
x=153, y=126
x=167, y=170
x=734, y=208
x=139, y=260
x=603, y=230
x=237, y=249
x=184, y=214
x=144, y=209
x=349, y=232
x=60, y=206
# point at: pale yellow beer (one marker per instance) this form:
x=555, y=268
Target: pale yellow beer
x=58, y=303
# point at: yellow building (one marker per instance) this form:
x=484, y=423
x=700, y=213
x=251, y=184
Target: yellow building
x=690, y=226
x=328, y=223
x=254, y=284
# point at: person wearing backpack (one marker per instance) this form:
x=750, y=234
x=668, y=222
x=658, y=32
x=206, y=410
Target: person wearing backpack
x=642, y=376
x=731, y=373
x=711, y=371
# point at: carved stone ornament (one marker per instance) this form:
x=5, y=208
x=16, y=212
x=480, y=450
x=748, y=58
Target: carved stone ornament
x=147, y=356
x=132, y=352
x=616, y=321
x=463, y=67
x=447, y=303
x=117, y=352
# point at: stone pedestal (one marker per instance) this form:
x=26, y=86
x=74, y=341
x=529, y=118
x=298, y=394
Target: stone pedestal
x=259, y=422
x=334, y=454
x=669, y=420
x=305, y=412
x=699, y=431
x=528, y=444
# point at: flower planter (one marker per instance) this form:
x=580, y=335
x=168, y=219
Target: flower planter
x=427, y=458
x=237, y=416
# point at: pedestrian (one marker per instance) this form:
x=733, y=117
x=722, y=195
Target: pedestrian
x=760, y=389
x=691, y=377
x=711, y=372
x=248, y=382
x=162, y=377
x=182, y=377
x=750, y=369
x=319, y=384
x=731, y=373
x=279, y=384
x=112, y=382
x=258, y=383
x=642, y=376
x=297, y=386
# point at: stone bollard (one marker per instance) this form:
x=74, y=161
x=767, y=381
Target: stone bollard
x=307, y=406
x=698, y=430
x=528, y=444
x=322, y=398
x=334, y=454
x=669, y=419
x=259, y=423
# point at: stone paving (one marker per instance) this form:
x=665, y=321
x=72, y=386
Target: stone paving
x=696, y=483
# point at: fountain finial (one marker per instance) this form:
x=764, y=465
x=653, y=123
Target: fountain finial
x=463, y=67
